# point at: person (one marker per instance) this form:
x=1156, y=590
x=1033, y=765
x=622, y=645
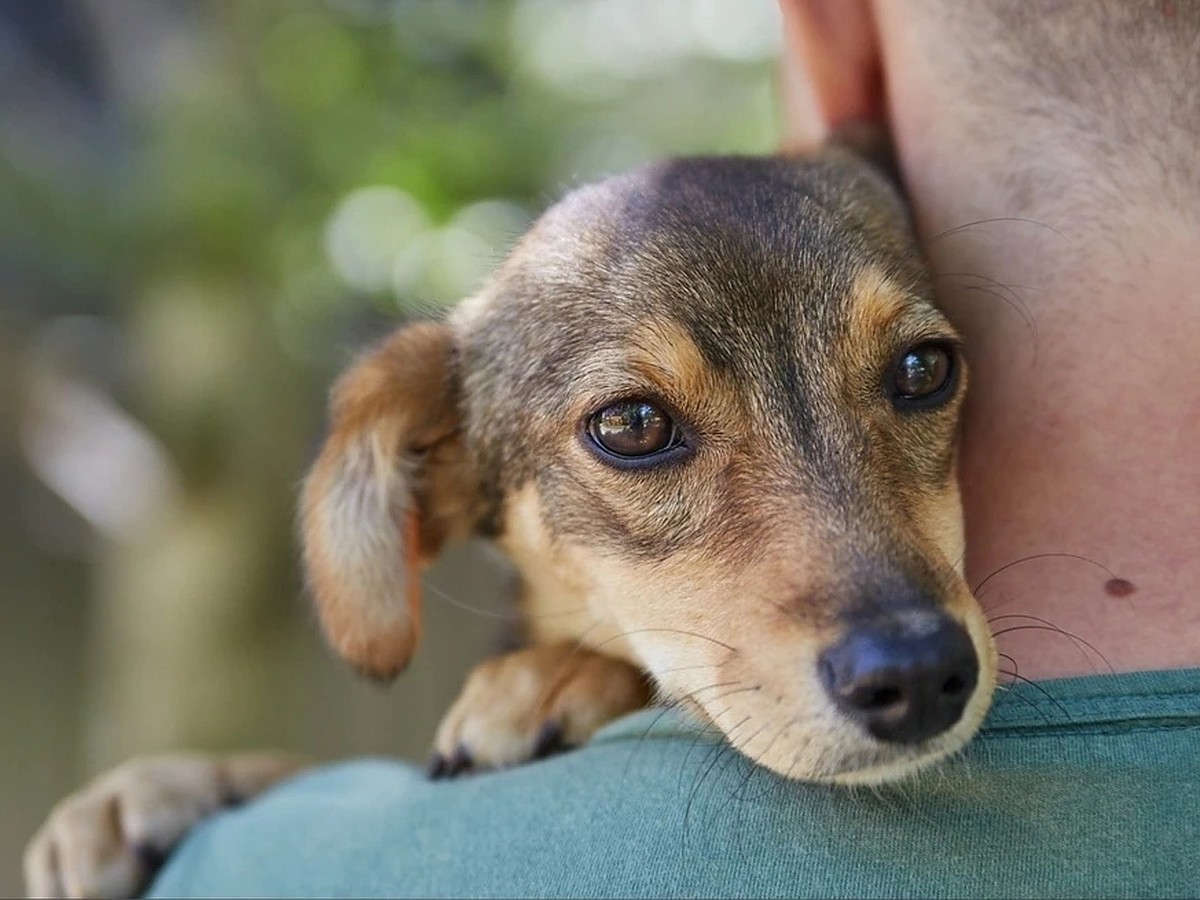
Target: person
x=1049, y=152
x=1048, y=149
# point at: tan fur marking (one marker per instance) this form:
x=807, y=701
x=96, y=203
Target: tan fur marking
x=555, y=597
x=939, y=519
x=876, y=305
x=662, y=352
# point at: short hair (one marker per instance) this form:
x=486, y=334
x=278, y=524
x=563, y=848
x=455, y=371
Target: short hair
x=1115, y=81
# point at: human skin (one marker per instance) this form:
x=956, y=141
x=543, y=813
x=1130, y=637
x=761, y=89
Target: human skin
x=1080, y=306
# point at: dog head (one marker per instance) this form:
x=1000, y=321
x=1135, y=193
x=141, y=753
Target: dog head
x=710, y=411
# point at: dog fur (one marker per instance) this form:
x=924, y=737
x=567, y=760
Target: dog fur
x=760, y=304
x=758, y=301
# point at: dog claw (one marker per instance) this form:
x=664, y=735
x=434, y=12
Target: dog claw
x=435, y=769
x=460, y=762
x=549, y=741
x=150, y=857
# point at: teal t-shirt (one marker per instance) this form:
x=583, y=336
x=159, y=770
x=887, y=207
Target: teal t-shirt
x=1078, y=787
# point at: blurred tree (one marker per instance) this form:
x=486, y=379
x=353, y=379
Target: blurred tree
x=270, y=183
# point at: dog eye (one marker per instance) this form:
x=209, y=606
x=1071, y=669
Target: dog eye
x=633, y=429
x=923, y=376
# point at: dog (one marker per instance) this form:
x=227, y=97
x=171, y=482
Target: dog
x=709, y=411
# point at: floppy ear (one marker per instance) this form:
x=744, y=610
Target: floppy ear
x=390, y=486
x=831, y=71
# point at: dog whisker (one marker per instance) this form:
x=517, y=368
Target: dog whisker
x=702, y=738
x=996, y=632
x=1074, y=637
x=679, y=631
x=752, y=688
x=642, y=738
x=977, y=589
x=722, y=750
x=1004, y=601
x=735, y=793
x=691, y=695
x=1016, y=676
x=1025, y=318
x=992, y=220
x=686, y=668
x=713, y=751
x=467, y=607
x=1000, y=291
x=767, y=778
x=1079, y=642
x=1011, y=660
x=1009, y=690
x=1010, y=289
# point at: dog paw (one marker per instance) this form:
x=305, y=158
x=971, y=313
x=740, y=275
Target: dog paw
x=108, y=839
x=531, y=704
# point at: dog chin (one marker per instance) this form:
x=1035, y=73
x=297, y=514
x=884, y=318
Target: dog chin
x=883, y=763
x=876, y=763
x=895, y=770
x=852, y=758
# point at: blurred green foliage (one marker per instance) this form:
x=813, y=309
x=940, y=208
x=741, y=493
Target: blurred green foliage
x=242, y=195
x=282, y=173
x=262, y=117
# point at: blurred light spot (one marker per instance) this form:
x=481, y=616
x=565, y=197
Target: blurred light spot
x=100, y=460
x=368, y=231
x=593, y=51
x=445, y=265
x=458, y=263
x=743, y=32
x=497, y=223
x=590, y=152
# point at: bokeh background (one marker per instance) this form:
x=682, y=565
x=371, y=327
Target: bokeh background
x=205, y=207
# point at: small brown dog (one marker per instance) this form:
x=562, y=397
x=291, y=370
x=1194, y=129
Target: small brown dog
x=709, y=411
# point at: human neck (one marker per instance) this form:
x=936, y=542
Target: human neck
x=1081, y=447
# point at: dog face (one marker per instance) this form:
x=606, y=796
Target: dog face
x=709, y=411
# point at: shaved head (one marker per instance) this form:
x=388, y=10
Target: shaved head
x=1109, y=83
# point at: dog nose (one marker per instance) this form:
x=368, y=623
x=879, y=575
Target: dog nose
x=904, y=684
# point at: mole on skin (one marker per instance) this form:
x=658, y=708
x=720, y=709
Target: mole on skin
x=1119, y=587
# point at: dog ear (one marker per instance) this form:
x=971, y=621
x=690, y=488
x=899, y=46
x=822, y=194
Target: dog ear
x=390, y=486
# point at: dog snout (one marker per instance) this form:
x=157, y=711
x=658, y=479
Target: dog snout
x=901, y=683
